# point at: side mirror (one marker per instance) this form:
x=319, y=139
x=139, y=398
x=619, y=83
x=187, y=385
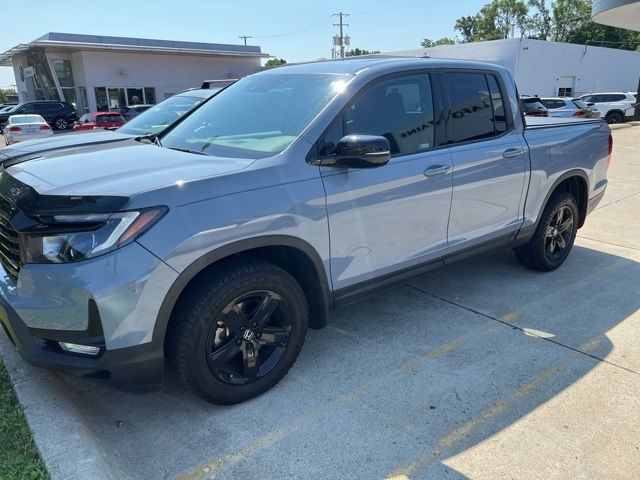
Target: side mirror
x=362, y=151
x=590, y=104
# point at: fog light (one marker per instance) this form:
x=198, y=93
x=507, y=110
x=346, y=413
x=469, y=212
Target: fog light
x=82, y=349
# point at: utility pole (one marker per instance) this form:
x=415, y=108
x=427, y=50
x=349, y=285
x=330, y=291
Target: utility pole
x=341, y=25
x=244, y=37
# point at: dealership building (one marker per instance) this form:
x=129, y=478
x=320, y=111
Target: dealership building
x=98, y=73
x=549, y=68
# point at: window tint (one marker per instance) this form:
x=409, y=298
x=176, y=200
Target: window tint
x=399, y=109
x=553, y=104
x=617, y=98
x=327, y=144
x=471, y=107
x=499, y=115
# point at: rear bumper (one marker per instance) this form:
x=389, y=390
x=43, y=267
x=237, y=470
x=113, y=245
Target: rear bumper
x=138, y=368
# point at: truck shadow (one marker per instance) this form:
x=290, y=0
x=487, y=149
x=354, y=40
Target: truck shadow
x=395, y=385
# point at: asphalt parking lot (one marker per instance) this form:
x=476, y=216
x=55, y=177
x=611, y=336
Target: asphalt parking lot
x=482, y=370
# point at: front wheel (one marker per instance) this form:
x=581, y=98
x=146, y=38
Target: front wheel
x=239, y=331
x=553, y=240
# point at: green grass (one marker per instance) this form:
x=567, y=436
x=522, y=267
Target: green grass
x=19, y=459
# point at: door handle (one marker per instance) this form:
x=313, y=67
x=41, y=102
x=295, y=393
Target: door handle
x=435, y=170
x=512, y=152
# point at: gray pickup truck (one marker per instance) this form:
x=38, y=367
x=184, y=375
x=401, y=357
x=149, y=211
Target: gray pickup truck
x=293, y=191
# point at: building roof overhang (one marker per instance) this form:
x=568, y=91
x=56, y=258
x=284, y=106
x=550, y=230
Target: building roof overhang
x=67, y=42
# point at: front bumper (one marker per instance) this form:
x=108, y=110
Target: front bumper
x=139, y=368
x=111, y=301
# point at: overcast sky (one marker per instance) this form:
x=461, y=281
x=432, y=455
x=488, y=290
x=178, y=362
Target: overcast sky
x=295, y=30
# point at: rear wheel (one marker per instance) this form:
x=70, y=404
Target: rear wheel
x=239, y=331
x=614, y=117
x=61, y=124
x=553, y=240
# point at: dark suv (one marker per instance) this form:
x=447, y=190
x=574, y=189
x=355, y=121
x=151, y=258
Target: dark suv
x=59, y=115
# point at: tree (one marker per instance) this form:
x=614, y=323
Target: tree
x=4, y=93
x=427, y=43
x=274, y=62
x=564, y=21
x=539, y=22
x=357, y=51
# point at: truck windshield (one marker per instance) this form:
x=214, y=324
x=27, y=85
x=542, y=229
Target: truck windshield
x=157, y=118
x=256, y=117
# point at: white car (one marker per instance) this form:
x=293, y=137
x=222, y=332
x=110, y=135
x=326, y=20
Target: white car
x=25, y=127
x=614, y=107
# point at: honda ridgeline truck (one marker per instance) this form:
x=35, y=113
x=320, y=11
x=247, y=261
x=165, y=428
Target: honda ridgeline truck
x=293, y=191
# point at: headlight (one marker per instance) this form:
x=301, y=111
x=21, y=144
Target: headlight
x=87, y=236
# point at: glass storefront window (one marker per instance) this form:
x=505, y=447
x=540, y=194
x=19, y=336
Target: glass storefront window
x=135, y=96
x=102, y=105
x=63, y=72
x=149, y=95
x=71, y=96
x=84, y=99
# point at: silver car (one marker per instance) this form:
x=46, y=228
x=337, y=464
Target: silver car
x=569, y=107
x=25, y=127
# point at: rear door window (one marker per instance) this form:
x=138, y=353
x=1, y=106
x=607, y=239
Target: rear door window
x=399, y=109
x=471, y=106
x=499, y=114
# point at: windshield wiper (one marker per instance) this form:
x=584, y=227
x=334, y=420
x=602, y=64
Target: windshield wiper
x=150, y=138
x=187, y=150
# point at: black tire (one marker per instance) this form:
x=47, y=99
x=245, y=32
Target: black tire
x=61, y=123
x=553, y=240
x=614, y=118
x=214, y=320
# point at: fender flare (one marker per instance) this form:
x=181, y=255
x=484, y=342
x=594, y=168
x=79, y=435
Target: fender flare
x=525, y=233
x=225, y=251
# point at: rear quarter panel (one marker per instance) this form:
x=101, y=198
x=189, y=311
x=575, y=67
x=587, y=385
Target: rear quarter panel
x=559, y=148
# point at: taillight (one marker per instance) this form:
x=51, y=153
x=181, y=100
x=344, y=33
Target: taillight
x=15, y=129
x=610, y=151
x=580, y=113
x=44, y=127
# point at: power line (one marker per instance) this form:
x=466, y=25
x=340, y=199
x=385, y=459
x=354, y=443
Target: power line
x=244, y=37
x=308, y=28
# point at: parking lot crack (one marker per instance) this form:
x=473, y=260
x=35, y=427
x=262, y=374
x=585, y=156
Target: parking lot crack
x=522, y=330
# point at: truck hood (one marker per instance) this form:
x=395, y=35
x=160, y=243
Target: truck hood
x=118, y=169
x=24, y=151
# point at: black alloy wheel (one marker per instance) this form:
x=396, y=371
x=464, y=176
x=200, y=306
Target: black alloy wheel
x=237, y=330
x=248, y=339
x=554, y=236
x=558, y=232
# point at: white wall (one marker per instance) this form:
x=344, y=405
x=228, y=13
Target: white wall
x=166, y=73
x=538, y=65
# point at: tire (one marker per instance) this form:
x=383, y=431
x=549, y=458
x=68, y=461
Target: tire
x=219, y=345
x=614, y=117
x=61, y=124
x=553, y=239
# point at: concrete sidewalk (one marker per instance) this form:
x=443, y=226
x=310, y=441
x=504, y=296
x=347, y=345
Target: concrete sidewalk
x=481, y=370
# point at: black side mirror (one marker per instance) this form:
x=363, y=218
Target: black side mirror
x=590, y=104
x=362, y=151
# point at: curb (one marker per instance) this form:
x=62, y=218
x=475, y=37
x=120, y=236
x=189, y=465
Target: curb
x=65, y=442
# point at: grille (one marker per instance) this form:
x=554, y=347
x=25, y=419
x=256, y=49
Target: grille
x=9, y=242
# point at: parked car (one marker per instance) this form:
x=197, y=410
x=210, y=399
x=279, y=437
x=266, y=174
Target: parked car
x=25, y=127
x=149, y=123
x=99, y=120
x=132, y=111
x=569, y=107
x=614, y=107
x=60, y=115
x=294, y=190
x=533, y=107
